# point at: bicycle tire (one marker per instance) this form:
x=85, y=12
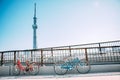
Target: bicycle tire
x=35, y=69
x=58, y=70
x=83, y=67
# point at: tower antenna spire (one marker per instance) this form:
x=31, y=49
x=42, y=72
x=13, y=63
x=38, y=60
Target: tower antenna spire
x=34, y=9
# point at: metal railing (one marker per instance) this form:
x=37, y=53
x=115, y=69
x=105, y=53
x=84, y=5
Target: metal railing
x=95, y=53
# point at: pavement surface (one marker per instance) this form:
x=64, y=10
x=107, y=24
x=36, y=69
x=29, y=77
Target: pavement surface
x=89, y=76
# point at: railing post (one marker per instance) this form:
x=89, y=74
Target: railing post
x=86, y=56
x=70, y=50
x=100, y=48
x=14, y=57
x=52, y=53
x=41, y=57
x=31, y=56
x=1, y=58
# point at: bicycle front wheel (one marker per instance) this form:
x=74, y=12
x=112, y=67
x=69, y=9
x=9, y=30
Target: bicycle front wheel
x=58, y=70
x=16, y=70
x=83, y=67
x=34, y=69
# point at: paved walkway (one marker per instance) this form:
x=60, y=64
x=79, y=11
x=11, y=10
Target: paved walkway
x=90, y=76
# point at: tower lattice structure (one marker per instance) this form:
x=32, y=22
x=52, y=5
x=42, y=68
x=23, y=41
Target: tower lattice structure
x=34, y=28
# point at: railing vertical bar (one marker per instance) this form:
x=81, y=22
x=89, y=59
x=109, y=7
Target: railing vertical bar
x=14, y=57
x=1, y=58
x=99, y=48
x=31, y=55
x=52, y=54
x=86, y=56
x=70, y=50
x=41, y=57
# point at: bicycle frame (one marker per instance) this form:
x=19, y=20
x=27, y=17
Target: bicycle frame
x=23, y=68
x=69, y=65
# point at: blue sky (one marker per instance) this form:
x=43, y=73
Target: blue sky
x=60, y=22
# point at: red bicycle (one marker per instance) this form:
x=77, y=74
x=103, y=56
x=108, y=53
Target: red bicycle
x=30, y=68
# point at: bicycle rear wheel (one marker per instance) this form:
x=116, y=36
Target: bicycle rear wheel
x=83, y=67
x=35, y=69
x=57, y=68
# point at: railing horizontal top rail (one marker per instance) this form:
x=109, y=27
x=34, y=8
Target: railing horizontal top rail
x=44, y=49
x=81, y=46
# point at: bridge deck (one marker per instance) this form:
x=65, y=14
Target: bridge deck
x=91, y=76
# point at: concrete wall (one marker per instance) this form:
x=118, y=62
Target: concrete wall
x=49, y=70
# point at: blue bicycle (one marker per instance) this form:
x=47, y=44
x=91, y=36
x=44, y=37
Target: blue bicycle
x=62, y=67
